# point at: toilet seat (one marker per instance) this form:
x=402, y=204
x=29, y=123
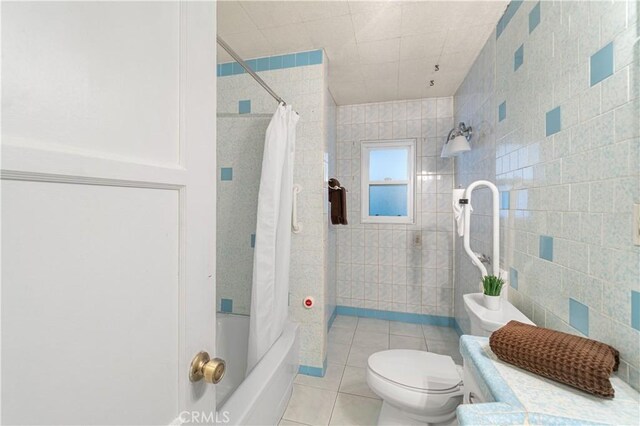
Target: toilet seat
x=423, y=386
x=416, y=370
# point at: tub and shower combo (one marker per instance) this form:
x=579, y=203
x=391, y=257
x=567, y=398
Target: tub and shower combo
x=253, y=333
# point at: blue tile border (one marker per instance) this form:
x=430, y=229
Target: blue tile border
x=579, y=316
x=545, y=250
x=308, y=370
x=601, y=64
x=553, y=121
x=332, y=318
x=396, y=316
x=270, y=63
x=457, y=328
x=253, y=241
x=534, y=17
x=509, y=13
x=635, y=309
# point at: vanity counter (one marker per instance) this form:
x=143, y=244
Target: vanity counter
x=514, y=396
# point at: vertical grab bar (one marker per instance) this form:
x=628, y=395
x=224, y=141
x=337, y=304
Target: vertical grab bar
x=296, y=226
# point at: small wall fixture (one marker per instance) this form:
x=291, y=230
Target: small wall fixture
x=457, y=141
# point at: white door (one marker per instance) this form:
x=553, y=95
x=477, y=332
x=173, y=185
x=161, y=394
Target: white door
x=108, y=211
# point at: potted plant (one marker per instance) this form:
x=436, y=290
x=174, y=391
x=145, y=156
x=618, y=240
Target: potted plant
x=492, y=286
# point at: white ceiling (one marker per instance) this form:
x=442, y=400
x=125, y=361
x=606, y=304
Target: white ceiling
x=377, y=50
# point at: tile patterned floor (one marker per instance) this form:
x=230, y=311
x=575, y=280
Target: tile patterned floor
x=342, y=396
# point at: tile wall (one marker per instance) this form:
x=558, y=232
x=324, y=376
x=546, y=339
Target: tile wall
x=382, y=266
x=563, y=81
x=304, y=86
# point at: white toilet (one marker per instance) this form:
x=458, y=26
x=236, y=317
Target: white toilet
x=419, y=387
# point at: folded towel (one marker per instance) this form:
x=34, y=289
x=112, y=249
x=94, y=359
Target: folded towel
x=338, y=200
x=576, y=361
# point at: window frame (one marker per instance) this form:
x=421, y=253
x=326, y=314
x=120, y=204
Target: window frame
x=366, y=146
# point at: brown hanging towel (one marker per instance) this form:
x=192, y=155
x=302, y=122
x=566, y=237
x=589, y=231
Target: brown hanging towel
x=338, y=200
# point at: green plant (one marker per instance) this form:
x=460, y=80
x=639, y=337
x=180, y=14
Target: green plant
x=492, y=285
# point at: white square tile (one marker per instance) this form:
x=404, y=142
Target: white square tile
x=311, y=406
x=331, y=380
x=405, y=329
x=354, y=382
x=406, y=342
x=341, y=335
x=343, y=321
x=358, y=355
x=445, y=334
x=355, y=410
x=337, y=353
x=373, y=325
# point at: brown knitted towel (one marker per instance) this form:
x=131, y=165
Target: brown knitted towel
x=572, y=360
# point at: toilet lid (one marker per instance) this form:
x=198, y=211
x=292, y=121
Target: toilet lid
x=416, y=369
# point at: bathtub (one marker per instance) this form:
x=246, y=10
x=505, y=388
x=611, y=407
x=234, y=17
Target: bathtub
x=261, y=397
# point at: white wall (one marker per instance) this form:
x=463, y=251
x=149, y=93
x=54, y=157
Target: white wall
x=379, y=267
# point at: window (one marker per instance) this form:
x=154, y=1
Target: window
x=388, y=181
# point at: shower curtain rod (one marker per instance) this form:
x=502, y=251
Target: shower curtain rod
x=246, y=67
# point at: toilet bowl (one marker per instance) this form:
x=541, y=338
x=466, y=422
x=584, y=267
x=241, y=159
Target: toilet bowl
x=419, y=387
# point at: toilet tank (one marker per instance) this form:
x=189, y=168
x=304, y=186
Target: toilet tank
x=484, y=321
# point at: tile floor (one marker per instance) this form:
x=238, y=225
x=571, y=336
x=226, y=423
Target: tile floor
x=342, y=396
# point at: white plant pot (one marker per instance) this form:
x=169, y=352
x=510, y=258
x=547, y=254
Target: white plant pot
x=491, y=302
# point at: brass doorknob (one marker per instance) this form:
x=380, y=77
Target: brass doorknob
x=203, y=367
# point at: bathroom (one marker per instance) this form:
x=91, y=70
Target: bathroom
x=315, y=254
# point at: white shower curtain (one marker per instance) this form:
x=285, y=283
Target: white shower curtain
x=270, y=289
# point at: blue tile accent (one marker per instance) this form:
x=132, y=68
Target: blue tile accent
x=395, y=316
x=226, y=173
x=511, y=10
x=534, y=17
x=236, y=68
x=218, y=69
x=226, y=305
x=518, y=57
x=332, y=318
x=244, y=107
x=546, y=248
x=457, y=327
x=579, y=316
x=635, y=310
x=513, y=278
x=553, y=121
x=262, y=64
x=289, y=61
x=315, y=57
x=253, y=240
x=601, y=64
x=502, y=111
x=275, y=62
x=313, y=371
x=226, y=69
x=505, y=197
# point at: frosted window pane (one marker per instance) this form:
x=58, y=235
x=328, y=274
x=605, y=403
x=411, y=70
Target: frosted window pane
x=388, y=164
x=388, y=200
